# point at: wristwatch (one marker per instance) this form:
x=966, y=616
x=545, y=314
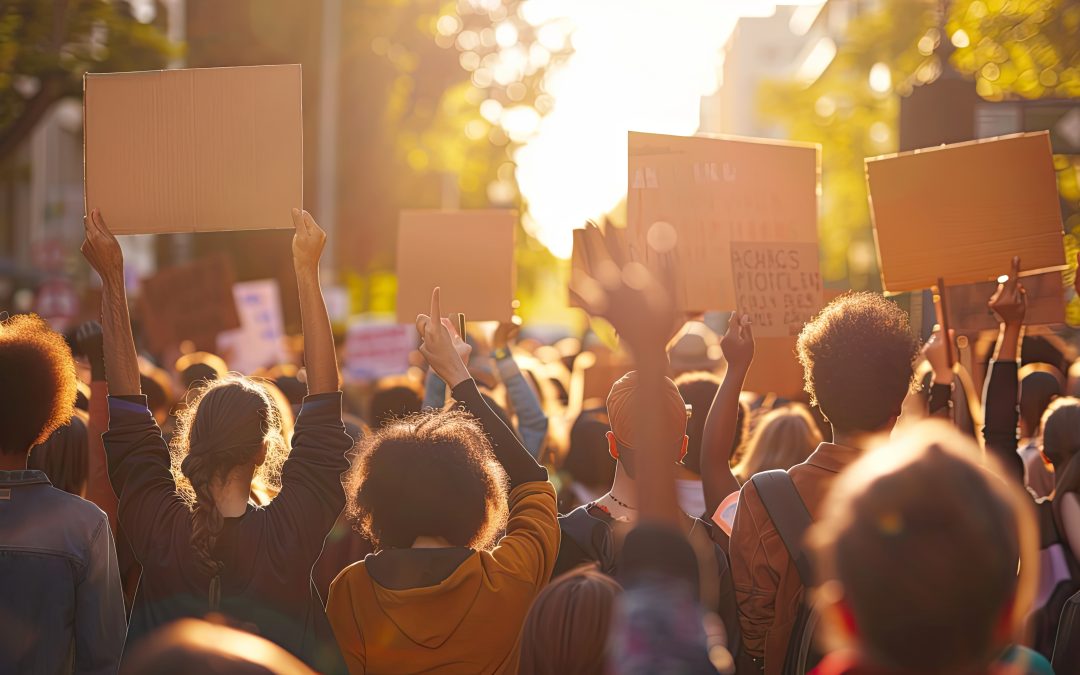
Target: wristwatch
x=500, y=353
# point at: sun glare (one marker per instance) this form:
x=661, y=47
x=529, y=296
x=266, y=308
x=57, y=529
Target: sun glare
x=641, y=66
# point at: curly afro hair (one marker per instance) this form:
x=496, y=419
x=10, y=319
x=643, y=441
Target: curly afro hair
x=37, y=383
x=858, y=358
x=429, y=474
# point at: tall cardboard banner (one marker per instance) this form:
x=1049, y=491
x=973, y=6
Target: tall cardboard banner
x=197, y=150
x=969, y=310
x=468, y=254
x=962, y=211
x=190, y=302
x=744, y=217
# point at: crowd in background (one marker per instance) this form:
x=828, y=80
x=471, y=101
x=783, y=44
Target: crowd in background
x=479, y=513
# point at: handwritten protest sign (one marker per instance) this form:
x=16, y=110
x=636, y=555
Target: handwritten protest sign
x=779, y=285
x=968, y=310
x=468, y=254
x=702, y=194
x=258, y=343
x=962, y=211
x=190, y=302
x=374, y=350
x=194, y=150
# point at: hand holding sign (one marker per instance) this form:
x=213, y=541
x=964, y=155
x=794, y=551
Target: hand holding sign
x=936, y=352
x=101, y=249
x=308, y=242
x=441, y=345
x=1009, y=303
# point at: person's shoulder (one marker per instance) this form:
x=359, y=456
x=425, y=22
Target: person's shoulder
x=82, y=510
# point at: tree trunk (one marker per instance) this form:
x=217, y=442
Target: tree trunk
x=52, y=90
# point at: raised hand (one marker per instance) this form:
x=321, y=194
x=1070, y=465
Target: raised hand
x=101, y=249
x=308, y=241
x=936, y=352
x=1009, y=302
x=738, y=342
x=441, y=345
x=639, y=304
x=505, y=333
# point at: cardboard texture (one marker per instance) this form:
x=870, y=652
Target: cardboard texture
x=779, y=285
x=377, y=350
x=260, y=340
x=713, y=191
x=962, y=211
x=968, y=309
x=197, y=150
x=468, y=254
x=190, y=302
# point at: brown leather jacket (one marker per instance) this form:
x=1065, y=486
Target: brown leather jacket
x=767, y=585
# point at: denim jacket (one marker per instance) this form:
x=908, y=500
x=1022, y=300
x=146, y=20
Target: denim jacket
x=61, y=607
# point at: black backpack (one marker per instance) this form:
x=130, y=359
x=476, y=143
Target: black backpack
x=791, y=519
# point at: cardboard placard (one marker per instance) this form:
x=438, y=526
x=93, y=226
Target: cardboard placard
x=779, y=285
x=375, y=350
x=190, y=302
x=259, y=342
x=962, y=211
x=713, y=191
x=468, y=254
x=968, y=310
x=196, y=150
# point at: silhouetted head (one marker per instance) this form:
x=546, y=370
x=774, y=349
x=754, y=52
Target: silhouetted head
x=918, y=548
x=394, y=398
x=858, y=359
x=1040, y=383
x=62, y=457
x=37, y=383
x=566, y=629
x=782, y=438
x=431, y=474
x=629, y=432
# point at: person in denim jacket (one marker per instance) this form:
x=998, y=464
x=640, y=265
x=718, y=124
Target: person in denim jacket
x=61, y=605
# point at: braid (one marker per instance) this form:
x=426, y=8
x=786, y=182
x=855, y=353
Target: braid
x=206, y=524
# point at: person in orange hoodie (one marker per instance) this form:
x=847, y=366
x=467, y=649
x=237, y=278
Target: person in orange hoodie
x=430, y=490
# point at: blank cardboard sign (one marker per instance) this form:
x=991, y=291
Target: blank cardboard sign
x=468, y=254
x=968, y=308
x=713, y=191
x=962, y=211
x=197, y=150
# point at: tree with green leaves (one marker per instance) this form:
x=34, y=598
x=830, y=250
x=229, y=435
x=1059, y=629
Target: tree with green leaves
x=47, y=45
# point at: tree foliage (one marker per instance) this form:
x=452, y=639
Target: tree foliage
x=47, y=45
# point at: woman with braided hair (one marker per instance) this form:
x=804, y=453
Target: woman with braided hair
x=204, y=545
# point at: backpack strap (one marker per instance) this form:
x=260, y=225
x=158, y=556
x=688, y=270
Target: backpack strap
x=789, y=515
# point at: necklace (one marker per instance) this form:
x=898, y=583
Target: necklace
x=621, y=502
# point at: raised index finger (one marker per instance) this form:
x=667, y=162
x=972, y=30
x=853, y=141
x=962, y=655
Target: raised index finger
x=436, y=304
x=1014, y=274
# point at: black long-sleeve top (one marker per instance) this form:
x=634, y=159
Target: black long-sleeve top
x=515, y=459
x=267, y=553
x=1001, y=415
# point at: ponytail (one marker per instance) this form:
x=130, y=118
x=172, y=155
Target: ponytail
x=206, y=524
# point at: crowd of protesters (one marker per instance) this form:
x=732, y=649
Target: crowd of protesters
x=484, y=517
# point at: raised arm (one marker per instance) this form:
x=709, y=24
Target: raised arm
x=311, y=494
x=720, y=426
x=103, y=253
x=941, y=386
x=532, y=422
x=1001, y=393
x=137, y=454
x=320, y=358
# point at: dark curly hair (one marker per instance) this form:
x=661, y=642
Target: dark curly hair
x=429, y=474
x=37, y=383
x=858, y=358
